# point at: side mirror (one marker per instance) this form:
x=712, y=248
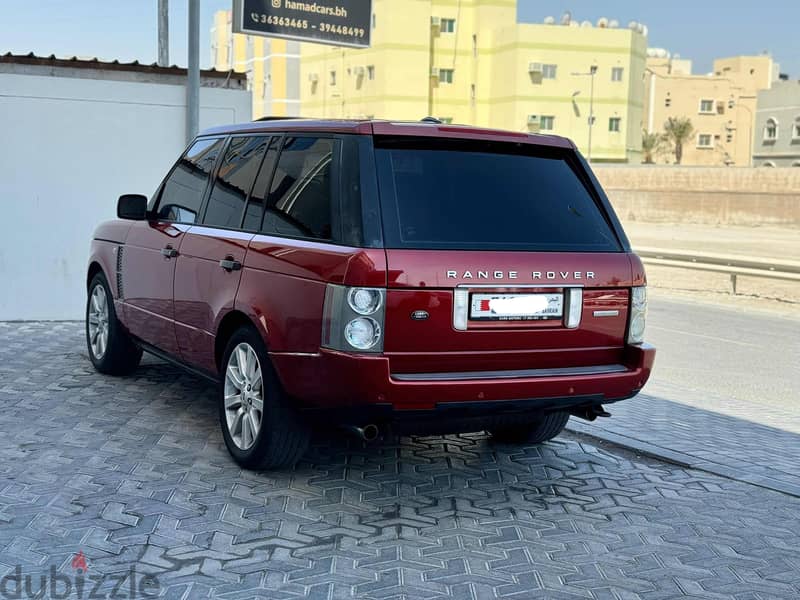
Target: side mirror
x=132, y=206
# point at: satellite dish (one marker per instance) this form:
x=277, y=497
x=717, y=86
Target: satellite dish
x=586, y=24
x=549, y=20
x=602, y=22
x=632, y=25
x=644, y=30
x=566, y=18
x=613, y=24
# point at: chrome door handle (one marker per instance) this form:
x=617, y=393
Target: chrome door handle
x=229, y=264
x=169, y=252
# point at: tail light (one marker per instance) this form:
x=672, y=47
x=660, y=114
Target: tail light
x=637, y=315
x=353, y=318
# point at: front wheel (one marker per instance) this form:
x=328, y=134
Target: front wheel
x=543, y=430
x=111, y=349
x=260, y=428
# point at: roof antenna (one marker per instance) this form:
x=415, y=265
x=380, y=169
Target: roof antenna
x=430, y=120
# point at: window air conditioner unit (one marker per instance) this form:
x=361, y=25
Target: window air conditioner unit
x=435, y=72
x=359, y=71
x=313, y=77
x=533, y=119
x=535, y=67
x=436, y=21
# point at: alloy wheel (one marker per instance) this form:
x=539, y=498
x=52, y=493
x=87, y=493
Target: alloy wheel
x=98, y=321
x=243, y=396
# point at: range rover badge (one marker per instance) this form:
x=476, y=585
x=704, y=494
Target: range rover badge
x=419, y=315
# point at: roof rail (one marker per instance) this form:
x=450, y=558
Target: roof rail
x=274, y=118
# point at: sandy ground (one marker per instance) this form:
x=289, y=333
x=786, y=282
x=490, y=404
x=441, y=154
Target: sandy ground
x=773, y=296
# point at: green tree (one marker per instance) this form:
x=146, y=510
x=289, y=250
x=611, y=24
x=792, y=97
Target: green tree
x=651, y=143
x=678, y=130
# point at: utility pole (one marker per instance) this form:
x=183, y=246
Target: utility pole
x=193, y=80
x=163, y=33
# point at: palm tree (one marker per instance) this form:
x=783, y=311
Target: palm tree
x=678, y=131
x=651, y=143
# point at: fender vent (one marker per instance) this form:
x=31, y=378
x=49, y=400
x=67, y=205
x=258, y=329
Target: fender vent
x=119, y=272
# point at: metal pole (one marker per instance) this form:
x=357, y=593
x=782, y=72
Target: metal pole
x=163, y=33
x=193, y=81
x=592, y=71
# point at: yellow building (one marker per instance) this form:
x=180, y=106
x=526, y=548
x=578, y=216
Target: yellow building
x=720, y=105
x=469, y=61
x=272, y=66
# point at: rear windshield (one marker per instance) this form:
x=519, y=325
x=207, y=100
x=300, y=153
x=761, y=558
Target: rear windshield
x=474, y=196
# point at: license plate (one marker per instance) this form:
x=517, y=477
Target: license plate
x=516, y=307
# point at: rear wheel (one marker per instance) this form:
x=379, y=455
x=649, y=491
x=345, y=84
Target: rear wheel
x=111, y=348
x=260, y=428
x=548, y=427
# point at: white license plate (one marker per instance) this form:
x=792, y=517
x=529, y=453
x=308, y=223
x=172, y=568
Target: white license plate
x=516, y=307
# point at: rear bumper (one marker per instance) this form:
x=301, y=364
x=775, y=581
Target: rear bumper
x=338, y=382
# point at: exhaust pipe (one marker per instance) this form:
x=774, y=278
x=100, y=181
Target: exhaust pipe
x=590, y=413
x=368, y=433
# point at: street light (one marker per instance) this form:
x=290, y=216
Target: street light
x=591, y=73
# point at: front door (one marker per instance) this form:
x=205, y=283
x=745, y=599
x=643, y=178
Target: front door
x=151, y=250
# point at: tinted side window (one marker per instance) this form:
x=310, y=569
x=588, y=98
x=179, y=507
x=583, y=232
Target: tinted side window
x=234, y=180
x=255, y=205
x=183, y=191
x=299, y=201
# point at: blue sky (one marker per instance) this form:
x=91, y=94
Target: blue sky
x=126, y=29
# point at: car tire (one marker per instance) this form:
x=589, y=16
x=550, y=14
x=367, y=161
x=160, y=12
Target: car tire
x=272, y=437
x=111, y=348
x=548, y=427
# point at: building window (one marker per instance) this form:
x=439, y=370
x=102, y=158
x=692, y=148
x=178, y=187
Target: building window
x=706, y=106
x=474, y=46
x=614, y=123
x=445, y=75
x=729, y=137
x=547, y=123
x=667, y=102
x=447, y=26
x=796, y=129
x=771, y=130
x=616, y=73
x=549, y=71
x=472, y=93
x=333, y=78
x=768, y=163
x=370, y=72
x=704, y=140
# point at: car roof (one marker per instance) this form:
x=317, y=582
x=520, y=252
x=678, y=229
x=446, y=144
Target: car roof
x=390, y=128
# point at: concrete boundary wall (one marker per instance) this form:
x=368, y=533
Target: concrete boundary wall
x=710, y=195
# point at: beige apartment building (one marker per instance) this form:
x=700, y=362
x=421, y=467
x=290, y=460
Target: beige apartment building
x=471, y=62
x=272, y=66
x=721, y=105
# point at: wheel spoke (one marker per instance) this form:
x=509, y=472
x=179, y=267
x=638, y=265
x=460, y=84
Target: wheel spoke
x=236, y=426
x=94, y=319
x=241, y=361
x=258, y=404
x=233, y=401
x=246, y=437
x=254, y=425
x=235, y=376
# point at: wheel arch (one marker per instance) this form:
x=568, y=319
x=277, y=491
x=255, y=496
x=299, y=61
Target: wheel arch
x=94, y=268
x=226, y=328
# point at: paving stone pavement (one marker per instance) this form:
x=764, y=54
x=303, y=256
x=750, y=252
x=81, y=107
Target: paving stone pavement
x=133, y=474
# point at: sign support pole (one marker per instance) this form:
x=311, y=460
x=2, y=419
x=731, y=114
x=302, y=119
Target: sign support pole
x=193, y=80
x=163, y=33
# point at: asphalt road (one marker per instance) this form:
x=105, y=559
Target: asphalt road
x=733, y=353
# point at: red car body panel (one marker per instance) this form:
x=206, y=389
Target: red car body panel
x=204, y=292
x=177, y=305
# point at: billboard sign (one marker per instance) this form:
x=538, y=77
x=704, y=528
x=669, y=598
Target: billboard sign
x=336, y=22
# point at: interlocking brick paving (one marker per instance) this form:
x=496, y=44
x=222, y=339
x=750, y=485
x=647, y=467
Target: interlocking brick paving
x=133, y=472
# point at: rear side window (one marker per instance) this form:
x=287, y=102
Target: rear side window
x=255, y=205
x=299, y=202
x=235, y=177
x=183, y=190
x=488, y=196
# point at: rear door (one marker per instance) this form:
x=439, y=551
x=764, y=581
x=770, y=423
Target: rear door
x=208, y=269
x=148, y=259
x=509, y=252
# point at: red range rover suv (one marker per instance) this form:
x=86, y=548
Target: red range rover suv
x=423, y=277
